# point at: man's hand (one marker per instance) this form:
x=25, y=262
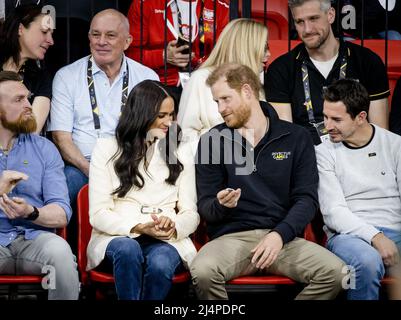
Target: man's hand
x=267, y=250
x=387, y=249
x=174, y=55
x=9, y=179
x=15, y=208
x=229, y=198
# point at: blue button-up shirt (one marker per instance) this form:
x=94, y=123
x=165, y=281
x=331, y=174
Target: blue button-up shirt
x=38, y=158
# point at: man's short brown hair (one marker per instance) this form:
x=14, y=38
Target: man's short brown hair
x=236, y=76
x=9, y=76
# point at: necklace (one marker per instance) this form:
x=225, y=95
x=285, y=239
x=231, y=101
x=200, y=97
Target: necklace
x=7, y=149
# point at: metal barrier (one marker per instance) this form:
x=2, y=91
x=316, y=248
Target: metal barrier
x=73, y=19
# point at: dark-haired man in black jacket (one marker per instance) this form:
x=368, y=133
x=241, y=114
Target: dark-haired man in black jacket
x=257, y=190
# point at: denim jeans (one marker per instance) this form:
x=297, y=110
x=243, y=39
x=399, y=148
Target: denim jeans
x=143, y=267
x=76, y=179
x=365, y=260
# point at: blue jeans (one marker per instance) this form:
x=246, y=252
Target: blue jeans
x=143, y=267
x=76, y=179
x=365, y=260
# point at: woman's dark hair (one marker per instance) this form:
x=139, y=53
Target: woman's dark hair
x=9, y=38
x=141, y=110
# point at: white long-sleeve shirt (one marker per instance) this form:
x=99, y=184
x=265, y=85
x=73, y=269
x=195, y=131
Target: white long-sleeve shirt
x=359, y=188
x=198, y=112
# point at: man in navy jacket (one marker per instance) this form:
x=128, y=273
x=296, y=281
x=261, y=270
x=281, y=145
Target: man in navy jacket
x=257, y=190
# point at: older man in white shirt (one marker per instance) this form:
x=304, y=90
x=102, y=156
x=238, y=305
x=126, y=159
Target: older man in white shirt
x=88, y=95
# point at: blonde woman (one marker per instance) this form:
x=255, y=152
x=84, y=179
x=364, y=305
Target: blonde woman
x=243, y=41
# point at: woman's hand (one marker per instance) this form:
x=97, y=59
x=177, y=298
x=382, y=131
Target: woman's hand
x=162, y=228
x=165, y=225
x=153, y=134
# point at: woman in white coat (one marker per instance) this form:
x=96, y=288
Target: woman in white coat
x=142, y=198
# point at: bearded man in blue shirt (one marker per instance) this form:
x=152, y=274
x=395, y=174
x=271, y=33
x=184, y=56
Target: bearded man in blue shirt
x=33, y=196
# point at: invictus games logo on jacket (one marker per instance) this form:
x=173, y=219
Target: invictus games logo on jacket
x=281, y=155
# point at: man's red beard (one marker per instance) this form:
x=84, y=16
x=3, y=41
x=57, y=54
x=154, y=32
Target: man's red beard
x=22, y=125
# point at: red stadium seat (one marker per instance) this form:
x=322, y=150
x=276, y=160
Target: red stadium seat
x=394, y=51
x=276, y=16
x=25, y=284
x=276, y=24
x=392, y=80
x=280, y=47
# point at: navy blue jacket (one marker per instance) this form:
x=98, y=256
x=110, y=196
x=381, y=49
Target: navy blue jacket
x=278, y=179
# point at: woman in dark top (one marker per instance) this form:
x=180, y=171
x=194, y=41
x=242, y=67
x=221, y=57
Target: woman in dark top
x=25, y=36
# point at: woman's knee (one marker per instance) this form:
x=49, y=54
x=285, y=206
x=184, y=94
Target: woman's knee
x=124, y=248
x=165, y=260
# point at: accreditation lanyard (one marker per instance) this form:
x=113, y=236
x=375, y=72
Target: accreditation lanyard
x=92, y=93
x=305, y=82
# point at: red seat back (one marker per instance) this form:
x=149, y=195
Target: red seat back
x=280, y=47
x=392, y=81
x=279, y=7
x=276, y=24
x=26, y=279
x=276, y=16
x=393, y=50
x=84, y=230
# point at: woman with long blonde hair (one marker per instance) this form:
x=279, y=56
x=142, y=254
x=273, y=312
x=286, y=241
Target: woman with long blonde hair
x=242, y=41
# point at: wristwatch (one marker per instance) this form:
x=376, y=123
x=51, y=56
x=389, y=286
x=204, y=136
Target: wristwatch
x=33, y=215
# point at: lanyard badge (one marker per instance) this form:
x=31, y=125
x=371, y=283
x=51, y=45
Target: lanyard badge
x=321, y=130
x=319, y=126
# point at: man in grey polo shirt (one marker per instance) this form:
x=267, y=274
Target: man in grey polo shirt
x=89, y=93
